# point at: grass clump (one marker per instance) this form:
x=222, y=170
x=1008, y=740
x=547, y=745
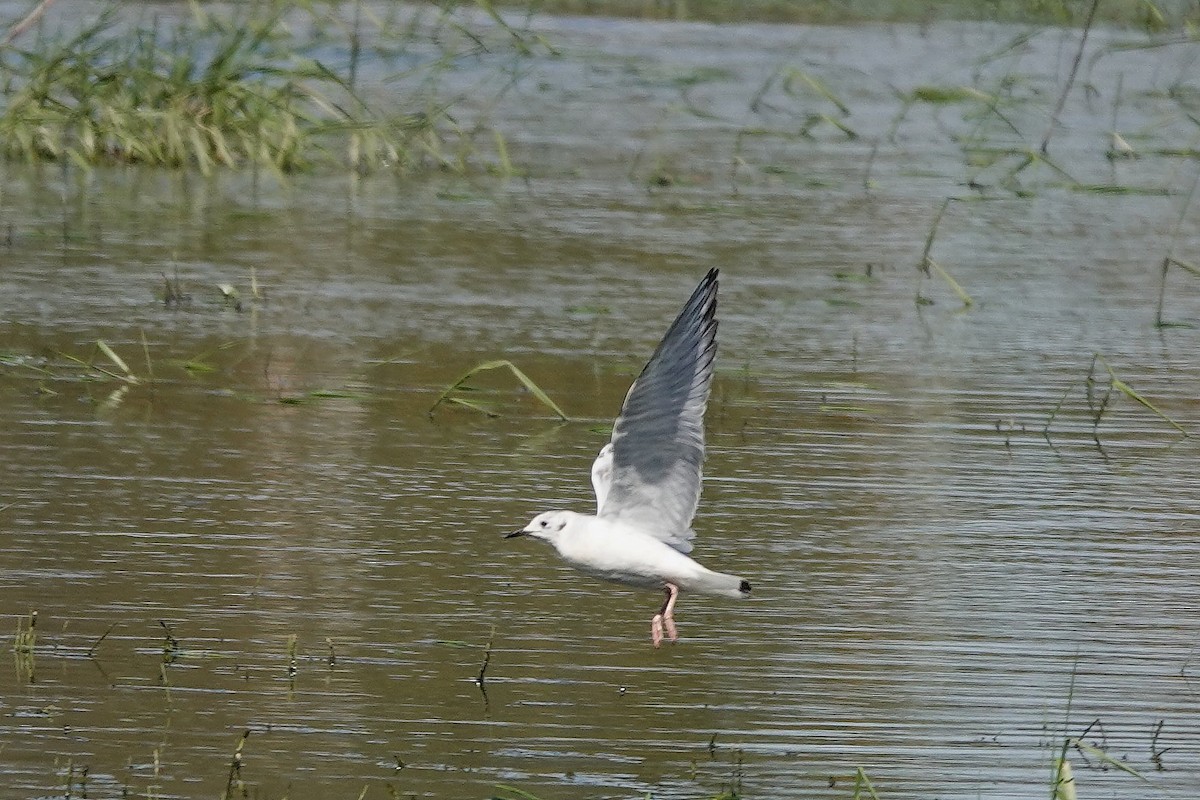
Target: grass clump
x=211, y=91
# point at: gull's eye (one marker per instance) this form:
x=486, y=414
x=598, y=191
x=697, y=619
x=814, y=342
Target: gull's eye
x=543, y=523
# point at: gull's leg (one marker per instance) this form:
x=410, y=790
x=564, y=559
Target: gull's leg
x=668, y=611
x=664, y=620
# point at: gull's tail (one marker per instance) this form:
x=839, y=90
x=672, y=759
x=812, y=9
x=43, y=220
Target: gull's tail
x=719, y=584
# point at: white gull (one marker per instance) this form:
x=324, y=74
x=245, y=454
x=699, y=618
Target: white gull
x=647, y=478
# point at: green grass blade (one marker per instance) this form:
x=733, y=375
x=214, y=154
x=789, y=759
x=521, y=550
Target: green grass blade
x=445, y=396
x=1064, y=785
x=535, y=389
x=146, y=353
x=1191, y=269
x=841, y=126
x=1127, y=390
x=474, y=406
x=196, y=367
x=338, y=394
x=87, y=365
x=816, y=86
x=958, y=289
x=505, y=166
x=103, y=347
x=520, y=793
x=863, y=787
x=442, y=398
x=1124, y=388
x=944, y=95
x=929, y=238
x=1054, y=412
x=1105, y=758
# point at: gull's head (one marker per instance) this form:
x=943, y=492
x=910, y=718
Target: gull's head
x=548, y=526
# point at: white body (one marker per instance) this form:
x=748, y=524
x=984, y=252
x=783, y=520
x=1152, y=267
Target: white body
x=619, y=552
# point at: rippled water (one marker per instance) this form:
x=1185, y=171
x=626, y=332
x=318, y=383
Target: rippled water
x=945, y=587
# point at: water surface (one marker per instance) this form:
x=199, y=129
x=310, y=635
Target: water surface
x=945, y=587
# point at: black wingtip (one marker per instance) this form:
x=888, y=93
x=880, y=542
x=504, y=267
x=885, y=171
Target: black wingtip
x=704, y=297
x=744, y=587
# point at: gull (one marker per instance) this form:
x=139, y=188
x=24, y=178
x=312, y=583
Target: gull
x=647, y=477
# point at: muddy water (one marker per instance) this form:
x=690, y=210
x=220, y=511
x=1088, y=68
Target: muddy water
x=955, y=565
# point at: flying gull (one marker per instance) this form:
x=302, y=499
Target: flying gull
x=647, y=478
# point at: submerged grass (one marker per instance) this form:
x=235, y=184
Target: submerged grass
x=26, y=636
x=1073, y=746
x=1062, y=777
x=928, y=267
x=1190, y=269
x=24, y=643
x=863, y=788
x=999, y=147
x=93, y=371
x=1099, y=400
x=235, y=786
x=231, y=89
x=453, y=393
x=1171, y=260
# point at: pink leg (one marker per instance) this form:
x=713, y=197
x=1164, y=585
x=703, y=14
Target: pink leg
x=668, y=611
x=665, y=618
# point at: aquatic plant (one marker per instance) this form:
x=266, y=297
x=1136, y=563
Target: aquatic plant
x=514, y=793
x=234, y=785
x=23, y=646
x=481, y=678
x=928, y=266
x=227, y=89
x=173, y=293
x=452, y=393
x=863, y=788
x=170, y=646
x=96, y=371
x=1062, y=97
x=1100, y=394
x=91, y=653
x=1062, y=779
x=998, y=148
x=1190, y=269
x=26, y=637
x=232, y=297
x=1171, y=260
x=798, y=86
x=1099, y=399
x=291, y=653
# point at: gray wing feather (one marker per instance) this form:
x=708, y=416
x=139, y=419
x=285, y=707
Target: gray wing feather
x=658, y=440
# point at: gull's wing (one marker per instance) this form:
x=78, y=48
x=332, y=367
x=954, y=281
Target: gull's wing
x=602, y=469
x=658, y=441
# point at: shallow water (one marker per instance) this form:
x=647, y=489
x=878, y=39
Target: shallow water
x=945, y=587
